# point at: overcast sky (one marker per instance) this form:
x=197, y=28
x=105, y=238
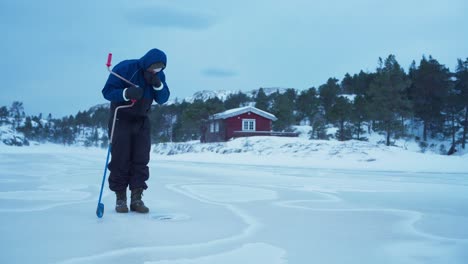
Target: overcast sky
x=54, y=51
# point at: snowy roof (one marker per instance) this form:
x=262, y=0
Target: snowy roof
x=241, y=110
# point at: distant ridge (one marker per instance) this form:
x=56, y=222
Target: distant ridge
x=224, y=94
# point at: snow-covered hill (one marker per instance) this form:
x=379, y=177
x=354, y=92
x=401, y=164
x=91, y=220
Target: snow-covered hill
x=87, y=136
x=11, y=137
x=224, y=94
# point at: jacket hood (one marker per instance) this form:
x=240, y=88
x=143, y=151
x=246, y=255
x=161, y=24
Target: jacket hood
x=152, y=57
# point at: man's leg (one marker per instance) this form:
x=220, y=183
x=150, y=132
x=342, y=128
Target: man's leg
x=121, y=154
x=140, y=155
x=139, y=165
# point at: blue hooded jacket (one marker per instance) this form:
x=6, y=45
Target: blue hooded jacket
x=133, y=70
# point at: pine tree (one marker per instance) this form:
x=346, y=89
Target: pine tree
x=461, y=89
x=27, y=128
x=104, y=141
x=37, y=128
x=307, y=105
x=388, y=95
x=283, y=108
x=340, y=113
x=213, y=106
x=236, y=100
x=261, y=100
x=92, y=139
x=155, y=117
x=347, y=84
x=328, y=95
x=4, y=114
x=99, y=117
x=80, y=121
x=178, y=128
x=63, y=131
x=16, y=112
x=359, y=115
x=362, y=82
x=429, y=90
x=169, y=117
x=319, y=127
x=451, y=111
x=193, y=117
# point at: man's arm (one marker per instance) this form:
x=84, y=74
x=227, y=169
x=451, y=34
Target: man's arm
x=161, y=94
x=114, y=89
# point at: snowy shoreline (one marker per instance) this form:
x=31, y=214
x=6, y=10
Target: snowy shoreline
x=314, y=154
x=287, y=152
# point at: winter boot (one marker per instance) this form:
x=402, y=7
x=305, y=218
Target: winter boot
x=136, y=204
x=121, y=203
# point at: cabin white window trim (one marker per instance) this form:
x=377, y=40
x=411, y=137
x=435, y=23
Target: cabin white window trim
x=248, y=125
x=214, y=127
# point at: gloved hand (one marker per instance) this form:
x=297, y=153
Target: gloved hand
x=134, y=93
x=155, y=81
x=152, y=78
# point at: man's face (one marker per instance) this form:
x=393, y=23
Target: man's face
x=156, y=67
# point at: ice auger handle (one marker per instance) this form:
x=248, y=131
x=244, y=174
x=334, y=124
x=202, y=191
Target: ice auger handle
x=109, y=60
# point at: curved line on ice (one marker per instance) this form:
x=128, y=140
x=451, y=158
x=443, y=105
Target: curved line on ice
x=407, y=225
x=252, y=226
x=53, y=205
x=44, y=207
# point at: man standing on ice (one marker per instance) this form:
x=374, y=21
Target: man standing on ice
x=131, y=142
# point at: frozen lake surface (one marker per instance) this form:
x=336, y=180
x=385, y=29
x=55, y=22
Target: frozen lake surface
x=228, y=213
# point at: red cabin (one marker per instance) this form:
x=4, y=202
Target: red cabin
x=238, y=122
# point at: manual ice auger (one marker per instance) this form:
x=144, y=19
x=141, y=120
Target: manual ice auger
x=100, y=205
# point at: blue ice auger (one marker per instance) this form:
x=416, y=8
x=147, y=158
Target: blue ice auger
x=100, y=206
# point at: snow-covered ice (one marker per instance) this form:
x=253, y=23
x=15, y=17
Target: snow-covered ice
x=328, y=206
